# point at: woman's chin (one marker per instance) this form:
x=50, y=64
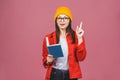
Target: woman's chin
x=62, y=28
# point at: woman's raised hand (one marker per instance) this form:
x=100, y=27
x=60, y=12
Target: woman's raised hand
x=79, y=31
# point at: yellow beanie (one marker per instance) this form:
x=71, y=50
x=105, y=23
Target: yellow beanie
x=63, y=10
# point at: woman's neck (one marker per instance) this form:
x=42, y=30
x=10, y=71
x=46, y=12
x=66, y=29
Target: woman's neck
x=63, y=33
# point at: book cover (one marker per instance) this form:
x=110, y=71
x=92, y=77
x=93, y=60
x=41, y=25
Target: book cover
x=55, y=50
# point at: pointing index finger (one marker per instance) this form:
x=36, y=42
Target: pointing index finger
x=81, y=25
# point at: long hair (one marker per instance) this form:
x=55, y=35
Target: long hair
x=68, y=30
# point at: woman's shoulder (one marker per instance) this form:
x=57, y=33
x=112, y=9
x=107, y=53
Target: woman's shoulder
x=50, y=34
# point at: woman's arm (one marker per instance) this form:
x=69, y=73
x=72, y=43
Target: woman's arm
x=81, y=50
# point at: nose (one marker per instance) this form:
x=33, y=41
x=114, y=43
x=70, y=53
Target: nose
x=62, y=20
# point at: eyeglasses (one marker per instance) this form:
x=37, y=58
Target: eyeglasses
x=64, y=19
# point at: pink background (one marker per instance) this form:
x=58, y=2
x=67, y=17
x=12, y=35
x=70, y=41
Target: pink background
x=23, y=24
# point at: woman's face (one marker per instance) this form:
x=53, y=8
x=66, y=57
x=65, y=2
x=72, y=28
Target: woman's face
x=63, y=21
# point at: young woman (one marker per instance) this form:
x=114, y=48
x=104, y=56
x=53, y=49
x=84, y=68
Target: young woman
x=73, y=46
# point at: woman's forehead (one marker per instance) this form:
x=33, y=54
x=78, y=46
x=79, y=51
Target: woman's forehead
x=62, y=15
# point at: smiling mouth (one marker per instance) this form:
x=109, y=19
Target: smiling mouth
x=62, y=24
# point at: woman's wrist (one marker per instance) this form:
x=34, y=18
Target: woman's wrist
x=80, y=40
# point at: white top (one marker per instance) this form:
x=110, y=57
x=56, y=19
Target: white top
x=62, y=62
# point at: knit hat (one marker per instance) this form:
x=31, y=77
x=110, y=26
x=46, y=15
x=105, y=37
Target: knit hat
x=63, y=10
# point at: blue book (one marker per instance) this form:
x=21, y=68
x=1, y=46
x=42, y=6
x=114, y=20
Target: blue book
x=55, y=50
